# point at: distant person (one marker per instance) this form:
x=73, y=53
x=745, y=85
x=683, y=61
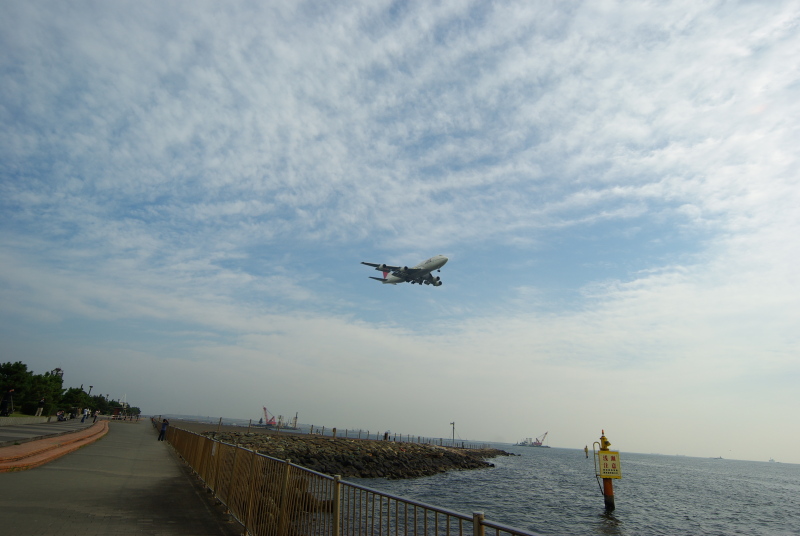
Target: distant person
x=162, y=435
x=96, y=413
x=85, y=414
x=40, y=408
x=7, y=404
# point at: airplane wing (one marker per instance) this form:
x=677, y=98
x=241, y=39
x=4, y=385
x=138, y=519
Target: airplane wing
x=406, y=276
x=400, y=271
x=382, y=267
x=431, y=279
x=413, y=276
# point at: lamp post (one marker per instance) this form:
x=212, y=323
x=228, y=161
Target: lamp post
x=90, y=390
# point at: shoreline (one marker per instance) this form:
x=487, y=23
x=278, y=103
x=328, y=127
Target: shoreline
x=358, y=458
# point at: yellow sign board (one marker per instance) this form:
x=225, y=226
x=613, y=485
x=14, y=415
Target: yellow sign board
x=609, y=465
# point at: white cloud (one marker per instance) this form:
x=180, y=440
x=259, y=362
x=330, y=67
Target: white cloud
x=203, y=182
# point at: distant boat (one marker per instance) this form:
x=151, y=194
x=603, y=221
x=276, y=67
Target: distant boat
x=772, y=460
x=531, y=442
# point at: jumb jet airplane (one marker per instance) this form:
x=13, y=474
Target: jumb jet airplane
x=419, y=274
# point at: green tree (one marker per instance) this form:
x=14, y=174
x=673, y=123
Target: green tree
x=99, y=402
x=17, y=377
x=30, y=388
x=75, y=397
x=47, y=386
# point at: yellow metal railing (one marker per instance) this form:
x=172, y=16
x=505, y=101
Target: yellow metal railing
x=272, y=497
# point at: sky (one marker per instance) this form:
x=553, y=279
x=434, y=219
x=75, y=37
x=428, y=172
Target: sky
x=187, y=190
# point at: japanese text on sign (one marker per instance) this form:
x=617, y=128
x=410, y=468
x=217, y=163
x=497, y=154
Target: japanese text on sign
x=609, y=464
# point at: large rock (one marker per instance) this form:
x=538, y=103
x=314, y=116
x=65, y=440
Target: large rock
x=360, y=458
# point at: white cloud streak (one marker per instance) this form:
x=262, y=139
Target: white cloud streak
x=211, y=175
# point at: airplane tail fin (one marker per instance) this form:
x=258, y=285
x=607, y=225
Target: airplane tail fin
x=385, y=274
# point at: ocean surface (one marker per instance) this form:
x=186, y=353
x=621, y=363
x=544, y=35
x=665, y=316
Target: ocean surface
x=554, y=491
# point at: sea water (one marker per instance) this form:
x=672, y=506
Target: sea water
x=554, y=491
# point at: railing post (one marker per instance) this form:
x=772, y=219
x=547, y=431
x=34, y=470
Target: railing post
x=283, y=520
x=477, y=524
x=337, y=504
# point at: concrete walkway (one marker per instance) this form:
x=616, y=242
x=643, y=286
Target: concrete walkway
x=125, y=483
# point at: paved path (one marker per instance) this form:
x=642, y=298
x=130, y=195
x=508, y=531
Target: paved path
x=125, y=483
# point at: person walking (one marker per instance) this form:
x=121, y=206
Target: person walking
x=7, y=405
x=96, y=413
x=40, y=408
x=163, y=434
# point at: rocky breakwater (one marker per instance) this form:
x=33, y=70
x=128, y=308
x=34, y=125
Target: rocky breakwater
x=359, y=458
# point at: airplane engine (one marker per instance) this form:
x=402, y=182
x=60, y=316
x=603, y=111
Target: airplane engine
x=436, y=279
x=427, y=282
x=404, y=269
x=381, y=267
x=438, y=283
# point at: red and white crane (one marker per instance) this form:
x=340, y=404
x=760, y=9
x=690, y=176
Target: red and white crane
x=268, y=421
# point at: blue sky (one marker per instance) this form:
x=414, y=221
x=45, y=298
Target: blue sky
x=187, y=190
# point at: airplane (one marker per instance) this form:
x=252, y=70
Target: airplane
x=419, y=274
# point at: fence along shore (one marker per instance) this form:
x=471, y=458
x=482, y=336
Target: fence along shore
x=273, y=497
x=236, y=424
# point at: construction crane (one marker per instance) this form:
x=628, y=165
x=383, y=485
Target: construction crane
x=268, y=421
x=538, y=442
